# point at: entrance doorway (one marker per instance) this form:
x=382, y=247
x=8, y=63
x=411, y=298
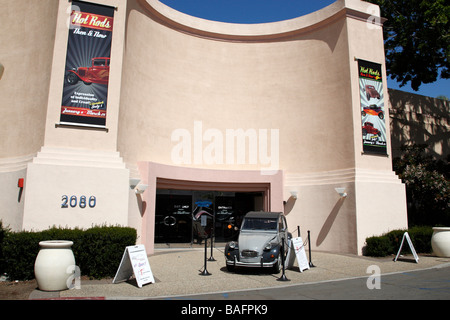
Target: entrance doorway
x=188, y=216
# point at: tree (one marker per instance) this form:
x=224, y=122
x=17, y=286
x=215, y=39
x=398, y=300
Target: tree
x=417, y=40
x=427, y=186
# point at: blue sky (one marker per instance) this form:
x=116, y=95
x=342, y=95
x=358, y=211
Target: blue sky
x=247, y=11
x=261, y=11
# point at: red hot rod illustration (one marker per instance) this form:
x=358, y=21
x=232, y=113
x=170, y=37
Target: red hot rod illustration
x=374, y=110
x=371, y=92
x=98, y=72
x=369, y=128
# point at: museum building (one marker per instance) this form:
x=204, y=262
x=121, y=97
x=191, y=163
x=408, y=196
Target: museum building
x=128, y=112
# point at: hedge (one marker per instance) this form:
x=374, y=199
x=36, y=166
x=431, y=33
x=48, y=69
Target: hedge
x=3, y=232
x=97, y=250
x=389, y=243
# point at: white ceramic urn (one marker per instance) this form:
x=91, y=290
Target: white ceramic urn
x=54, y=265
x=440, y=241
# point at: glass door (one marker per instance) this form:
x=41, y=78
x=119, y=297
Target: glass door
x=225, y=218
x=186, y=216
x=173, y=222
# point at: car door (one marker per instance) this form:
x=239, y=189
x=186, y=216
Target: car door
x=100, y=70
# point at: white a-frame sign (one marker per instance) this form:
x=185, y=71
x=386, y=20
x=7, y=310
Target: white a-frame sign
x=297, y=250
x=135, y=262
x=408, y=239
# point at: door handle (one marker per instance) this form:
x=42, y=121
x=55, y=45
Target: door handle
x=169, y=221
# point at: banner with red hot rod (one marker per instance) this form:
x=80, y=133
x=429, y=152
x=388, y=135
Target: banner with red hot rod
x=372, y=107
x=85, y=91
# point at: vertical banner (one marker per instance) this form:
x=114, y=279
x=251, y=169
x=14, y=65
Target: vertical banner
x=85, y=91
x=372, y=107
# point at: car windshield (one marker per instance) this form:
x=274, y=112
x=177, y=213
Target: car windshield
x=99, y=63
x=259, y=224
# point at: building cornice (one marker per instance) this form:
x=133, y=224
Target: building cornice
x=254, y=33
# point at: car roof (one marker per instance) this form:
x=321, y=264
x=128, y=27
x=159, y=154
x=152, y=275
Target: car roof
x=262, y=214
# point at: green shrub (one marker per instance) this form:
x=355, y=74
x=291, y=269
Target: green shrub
x=395, y=240
x=97, y=250
x=102, y=257
x=377, y=246
x=421, y=238
x=3, y=232
x=389, y=243
x=19, y=252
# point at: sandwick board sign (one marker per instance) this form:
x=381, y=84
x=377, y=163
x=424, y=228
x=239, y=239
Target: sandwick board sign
x=297, y=250
x=408, y=239
x=135, y=262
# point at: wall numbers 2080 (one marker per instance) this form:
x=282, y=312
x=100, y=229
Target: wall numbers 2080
x=73, y=201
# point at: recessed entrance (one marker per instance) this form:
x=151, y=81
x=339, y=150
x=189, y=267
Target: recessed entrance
x=175, y=196
x=188, y=216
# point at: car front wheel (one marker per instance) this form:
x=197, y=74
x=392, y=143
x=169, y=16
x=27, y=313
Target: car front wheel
x=276, y=268
x=230, y=268
x=71, y=78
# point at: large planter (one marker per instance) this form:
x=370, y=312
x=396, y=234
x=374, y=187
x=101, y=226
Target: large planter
x=54, y=265
x=440, y=241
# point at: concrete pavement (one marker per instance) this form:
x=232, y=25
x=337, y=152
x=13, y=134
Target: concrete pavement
x=177, y=272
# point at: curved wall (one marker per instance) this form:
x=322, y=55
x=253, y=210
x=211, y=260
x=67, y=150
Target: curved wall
x=187, y=82
x=291, y=80
x=27, y=36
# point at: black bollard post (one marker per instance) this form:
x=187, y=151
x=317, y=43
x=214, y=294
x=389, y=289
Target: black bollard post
x=205, y=272
x=298, y=230
x=309, y=245
x=211, y=258
x=283, y=276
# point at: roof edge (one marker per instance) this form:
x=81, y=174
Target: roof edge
x=261, y=32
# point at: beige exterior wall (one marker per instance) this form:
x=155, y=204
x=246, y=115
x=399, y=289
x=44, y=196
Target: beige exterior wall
x=27, y=35
x=181, y=86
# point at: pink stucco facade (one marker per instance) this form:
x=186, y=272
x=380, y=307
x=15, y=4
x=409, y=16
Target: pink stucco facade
x=201, y=105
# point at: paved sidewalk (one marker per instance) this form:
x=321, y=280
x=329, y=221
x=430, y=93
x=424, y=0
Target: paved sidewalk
x=177, y=272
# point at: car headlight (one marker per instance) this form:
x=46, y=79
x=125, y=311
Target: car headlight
x=232, y=245
x=268, y=246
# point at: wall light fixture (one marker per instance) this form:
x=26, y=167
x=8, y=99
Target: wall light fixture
x=341, y=192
